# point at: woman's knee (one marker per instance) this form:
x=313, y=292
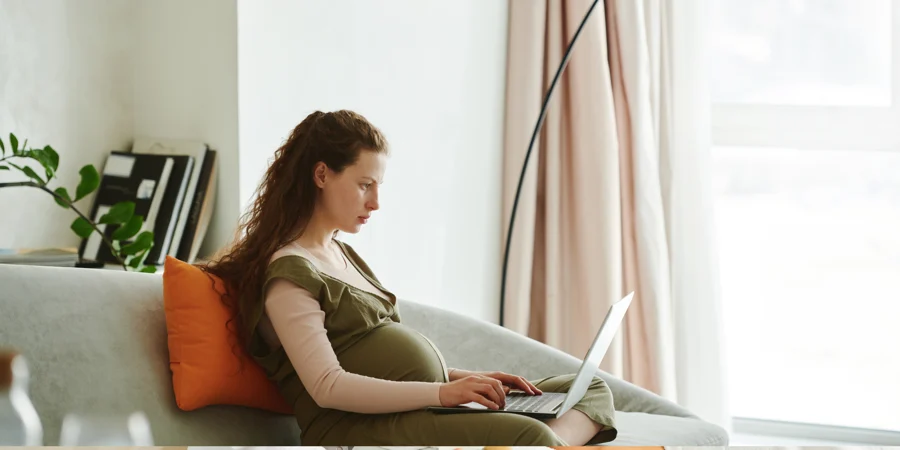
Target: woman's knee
x=535, y=432
x=597, y=382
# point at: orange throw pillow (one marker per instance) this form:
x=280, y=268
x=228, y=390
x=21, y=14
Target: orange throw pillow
x=205, y=369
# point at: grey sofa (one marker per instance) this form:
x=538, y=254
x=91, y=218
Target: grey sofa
x=96, y=342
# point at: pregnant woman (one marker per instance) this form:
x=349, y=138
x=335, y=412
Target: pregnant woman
x=315, y=317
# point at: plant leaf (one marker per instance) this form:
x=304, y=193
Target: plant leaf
x=130, y=228
x=29, y=171
x=143, y=242
x=149, y=269
x=135, y=261
x=4, y=168
x=14, y=143
x=46, y=156
x=62, y=192
x=2, y=148
x=52, y=157
x=82, y=228
x=90, y=180
x=119, y=213
x=32, y=174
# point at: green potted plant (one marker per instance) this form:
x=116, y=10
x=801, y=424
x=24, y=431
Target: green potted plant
x=127, y=243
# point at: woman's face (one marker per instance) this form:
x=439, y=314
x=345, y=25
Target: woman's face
x=348, y=198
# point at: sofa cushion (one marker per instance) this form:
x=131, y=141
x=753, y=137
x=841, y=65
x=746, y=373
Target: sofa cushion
x=209, y=367
x=637, y=428
x=95, y=340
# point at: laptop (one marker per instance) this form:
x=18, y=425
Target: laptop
x=554, y=404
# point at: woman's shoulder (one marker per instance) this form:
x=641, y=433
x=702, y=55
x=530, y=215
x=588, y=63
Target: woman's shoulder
x=293, y=264
x=293, y=255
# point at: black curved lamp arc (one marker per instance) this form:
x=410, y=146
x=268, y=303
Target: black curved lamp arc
x=534, y=134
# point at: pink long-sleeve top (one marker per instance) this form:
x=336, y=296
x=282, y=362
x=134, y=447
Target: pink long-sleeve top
x=295, y=320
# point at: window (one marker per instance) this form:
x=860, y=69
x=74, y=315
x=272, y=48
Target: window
x=814, y=52
x=806, y=154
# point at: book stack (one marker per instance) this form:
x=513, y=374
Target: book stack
x=172, y=184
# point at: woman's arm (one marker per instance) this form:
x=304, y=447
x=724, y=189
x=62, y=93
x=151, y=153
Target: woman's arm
x=299, y=323
x=456, y=374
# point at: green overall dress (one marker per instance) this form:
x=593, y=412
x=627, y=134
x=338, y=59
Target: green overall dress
x=369, y=339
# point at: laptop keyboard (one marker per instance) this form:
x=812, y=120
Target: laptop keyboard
x=529, y=403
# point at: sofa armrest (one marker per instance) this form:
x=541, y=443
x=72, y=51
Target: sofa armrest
x=472, y=344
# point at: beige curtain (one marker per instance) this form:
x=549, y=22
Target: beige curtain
x=616, y=196
x=565, y=266
x=649, y=348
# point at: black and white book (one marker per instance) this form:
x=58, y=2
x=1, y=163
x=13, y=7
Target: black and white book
x=200, y=210
x=198, y=151
x=141, y=179
x=167, y=219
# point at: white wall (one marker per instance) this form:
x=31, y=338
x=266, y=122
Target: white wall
x=431, y=76
x=65, y=81
x=87, y=76
x=185, y=87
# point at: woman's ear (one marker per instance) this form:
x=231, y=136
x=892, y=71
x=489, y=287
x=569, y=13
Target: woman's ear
x=320, y=173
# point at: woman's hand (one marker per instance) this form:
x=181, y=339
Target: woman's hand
x=509, y=381
x=474, y=388
x=513, y=381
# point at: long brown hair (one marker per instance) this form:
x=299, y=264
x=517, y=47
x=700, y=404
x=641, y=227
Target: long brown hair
x=284, y=204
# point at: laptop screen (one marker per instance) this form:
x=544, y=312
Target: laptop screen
x=595, y=354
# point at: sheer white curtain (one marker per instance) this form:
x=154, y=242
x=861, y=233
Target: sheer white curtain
x=687, y=175
x=660, y=81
